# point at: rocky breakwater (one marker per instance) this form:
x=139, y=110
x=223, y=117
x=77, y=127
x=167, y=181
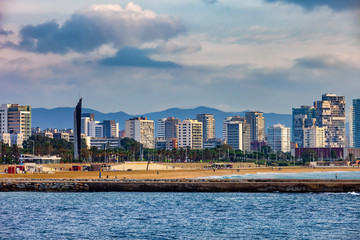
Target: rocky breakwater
x=43, y=186
x=180, y=185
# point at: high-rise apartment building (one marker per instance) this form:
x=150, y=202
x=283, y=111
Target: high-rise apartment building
x=95, y=129
x=257, y=125
x=190, y=134
x=356, y=123
x=161, y=128
x=208, y=123
x=246, y=142
x=4, y=118
x=314, y=137
x=110, y=128
x=171, y=132
x=351, y=129
x=300, y=122
x=279, y=138
x=302, y=117
x=330, y=114
x=15, y=119
x=142, y=130
x=85, y=125
x=234, y=135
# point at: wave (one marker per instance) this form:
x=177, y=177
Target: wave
x=298, y=175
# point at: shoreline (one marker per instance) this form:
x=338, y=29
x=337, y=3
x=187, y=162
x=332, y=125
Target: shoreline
x=176, y=173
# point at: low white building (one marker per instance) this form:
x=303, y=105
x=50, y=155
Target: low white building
x=12, y=138
x=105, y=143
x=5, y=138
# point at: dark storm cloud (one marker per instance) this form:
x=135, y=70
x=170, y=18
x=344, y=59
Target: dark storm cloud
x=99, y=25
x=132, y=57
x=337, y=5
x=322, y=62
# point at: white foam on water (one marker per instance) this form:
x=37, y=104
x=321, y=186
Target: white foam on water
x=298, y=175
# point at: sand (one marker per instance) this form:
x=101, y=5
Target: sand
x=165, y=171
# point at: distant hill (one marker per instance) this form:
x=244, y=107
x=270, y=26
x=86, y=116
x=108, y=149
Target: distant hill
x=63, y=117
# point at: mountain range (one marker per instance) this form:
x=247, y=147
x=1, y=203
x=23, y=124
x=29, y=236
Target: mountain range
x=62, y=117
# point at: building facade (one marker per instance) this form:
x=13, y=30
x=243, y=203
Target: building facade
x=190, y=134
x=161, y=128
x=110, y=129
x=246, y=138
x=18, y=119
x=330, y=114
x=314, y=137
x=303, y=117
x=355, y=123
x=142, y=130
x=234, y=135
x=257, y=125
x=279, y=138
x=171, y=131
x=208, y=123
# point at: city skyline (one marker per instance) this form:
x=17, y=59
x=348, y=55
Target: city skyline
x=265, y=55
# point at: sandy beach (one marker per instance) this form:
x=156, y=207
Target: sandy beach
x=164, y=171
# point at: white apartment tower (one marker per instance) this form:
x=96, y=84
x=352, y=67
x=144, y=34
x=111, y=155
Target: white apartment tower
x=161, y=128
x=279, y=138
x=15, y=119
x=245, y=131
x=190, y=134
x=142, y=130
x=208, y=123
x=95, y=129
x=314, y=137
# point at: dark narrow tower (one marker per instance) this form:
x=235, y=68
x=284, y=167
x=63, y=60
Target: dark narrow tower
x=77, y=129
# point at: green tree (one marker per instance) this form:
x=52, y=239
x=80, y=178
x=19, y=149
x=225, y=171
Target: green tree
x=333, y=154
x=309, y=155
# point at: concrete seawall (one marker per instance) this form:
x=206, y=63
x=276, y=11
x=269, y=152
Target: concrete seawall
x=180, y=185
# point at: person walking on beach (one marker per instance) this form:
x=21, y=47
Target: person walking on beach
x=335, y=175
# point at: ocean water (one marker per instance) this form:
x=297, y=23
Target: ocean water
x=308, y=175
x=33, y=215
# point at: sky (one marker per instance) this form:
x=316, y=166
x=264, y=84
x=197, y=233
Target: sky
x=144, y=56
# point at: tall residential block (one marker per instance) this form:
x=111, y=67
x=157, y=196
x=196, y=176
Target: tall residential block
x=110, y=128
x=246, y=142
x=142, y=130
x=208, y=123
x=302, y=117
x=234, y=135
x=330, y=114
x=190, y=134
x=257, y=125
x=356, y=123
x=171, y=132
x=161, y=128
x=279, y=138
x=15, y=119
x=4, y=118
x=314, y=137
x=351, y=129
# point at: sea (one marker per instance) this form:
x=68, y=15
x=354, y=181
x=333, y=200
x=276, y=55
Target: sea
x=128, y=215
